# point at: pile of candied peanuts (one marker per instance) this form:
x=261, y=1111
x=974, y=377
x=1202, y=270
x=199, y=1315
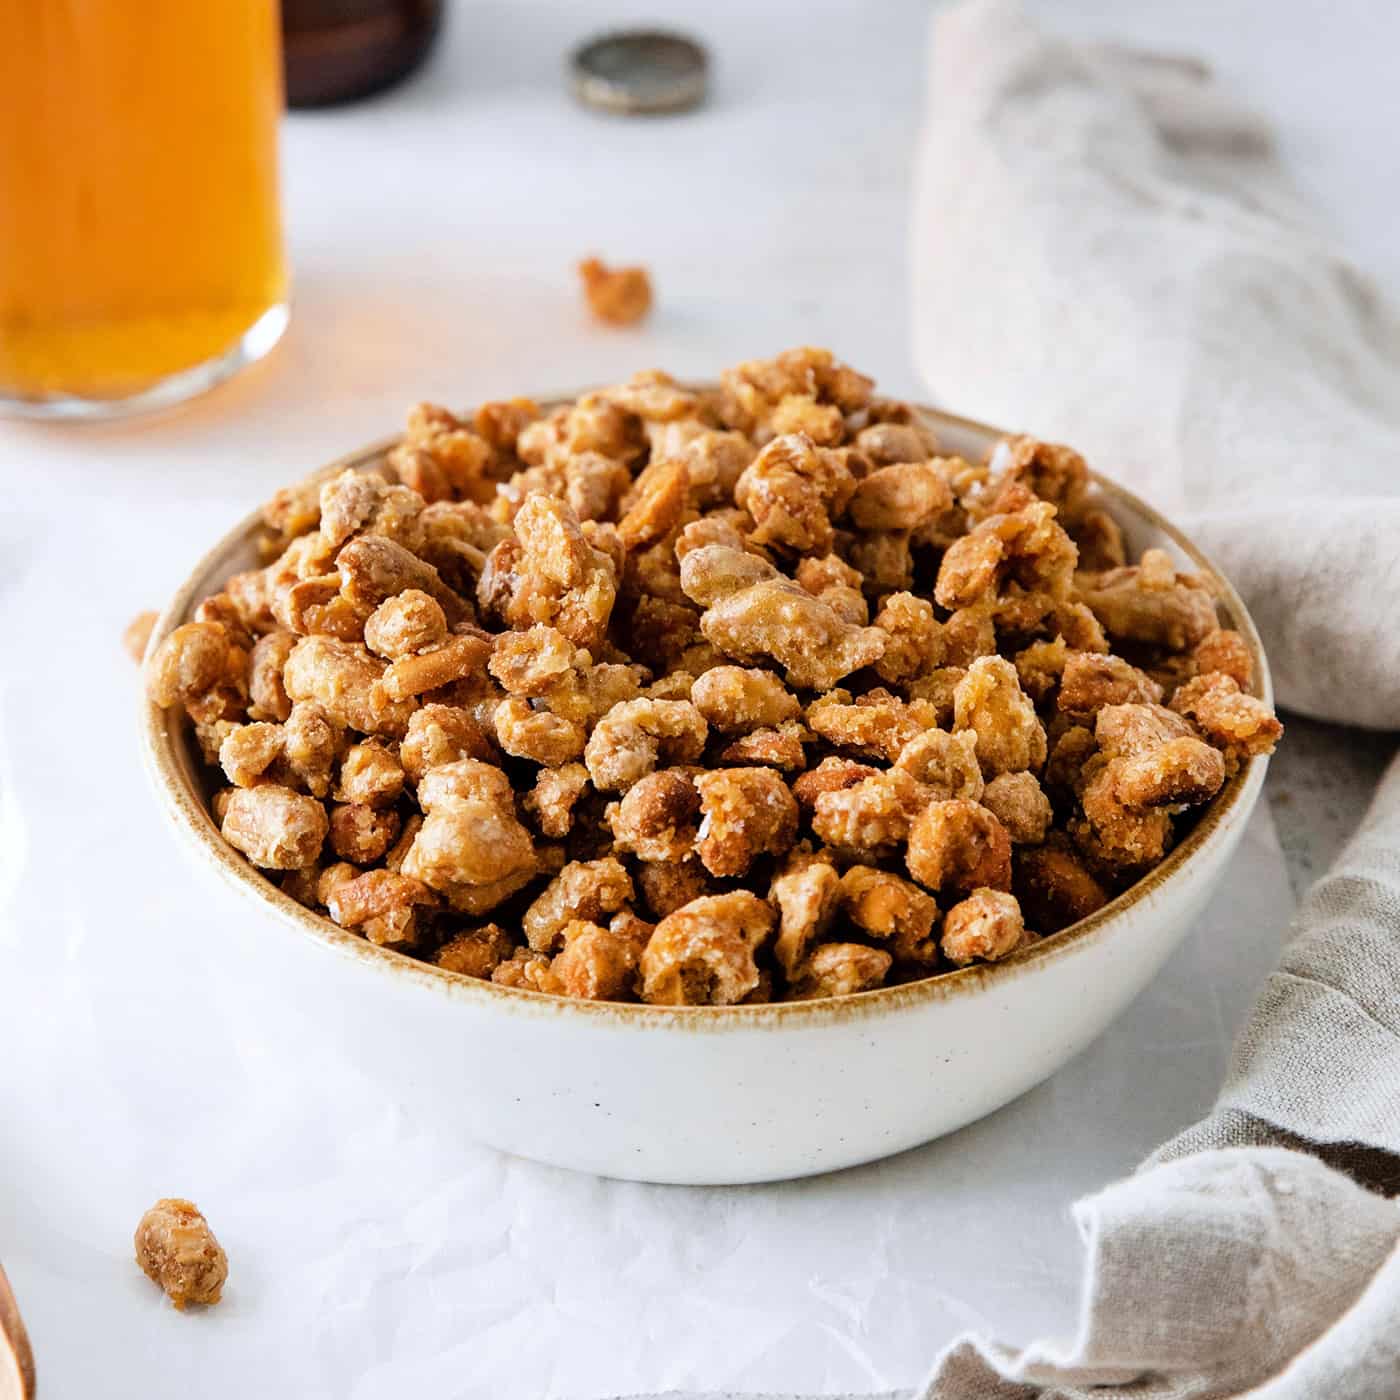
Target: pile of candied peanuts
x=707, y=697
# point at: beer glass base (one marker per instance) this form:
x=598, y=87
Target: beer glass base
x=174, y=389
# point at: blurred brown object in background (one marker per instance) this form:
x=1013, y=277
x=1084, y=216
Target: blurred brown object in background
x=16, y=1357
x=138, y=633
x=339, y=50
x=619, y=295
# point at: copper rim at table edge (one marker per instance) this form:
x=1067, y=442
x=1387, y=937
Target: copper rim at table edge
x=167, y=742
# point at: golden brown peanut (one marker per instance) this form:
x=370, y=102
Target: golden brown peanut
x=441, y=734
x=317, y=606
x=750, y=392
x=791, y=490
x=371, y=774
x=915, y=646
x=658, y=818
x=471, y=847
x=892, y=909
x=888, y=443
x=620, y=296
x=959, y=846
x=714, y=461
x=840, y=970
x=536, y=735
x=550, y=573
x=191, y=661
x=293, y=510
x=527, y=972
x=1088, y=682
x=900, y=497
x=537, y=662
x=341, y=677
x=248, y=751
x=1237, y=724
x=374, y=569
x=837, y=584
x=989, y=701
x=746, y=813
x=220, y=608
x=660, y=497
x=801, y=413
x=944, y=764
x=409, y=622
x=455, y=660
x=459, y=457
x=596, y=964
x=986, y=925
x=1150, y=602
x=779, y=748
x=655, y=397
x=276, y=828
x=311, y=742
x=1113, y=833
x=873, y=816
x=703, y=954
x=176, y=1249
x=1054, y=887
x=666, y=886
x=361, y=834
x=1019, y=803
x=1026, y=542
x=878, y=725
x=937, y=687
x=358, y=899
x=1155, y=756
x=627, y=743
x=582, y=890
x=248, y=592
x=556, y=793
x=751, y=614
x=1040, y=666
x=267, y=695
x=364, y=503
x=807, y=891
x=475, y=954
x=735, y=700
x=1228, y=653
x=1049, y=470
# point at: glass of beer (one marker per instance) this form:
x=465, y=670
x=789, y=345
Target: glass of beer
x=141, y=256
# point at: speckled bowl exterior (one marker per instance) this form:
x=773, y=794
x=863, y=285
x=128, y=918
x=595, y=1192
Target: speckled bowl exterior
x=712, y=1095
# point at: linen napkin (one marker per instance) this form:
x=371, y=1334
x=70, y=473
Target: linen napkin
x=1107, y=252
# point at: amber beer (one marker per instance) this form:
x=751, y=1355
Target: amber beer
x=140, y=237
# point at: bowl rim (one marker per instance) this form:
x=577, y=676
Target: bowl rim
x=170, y=767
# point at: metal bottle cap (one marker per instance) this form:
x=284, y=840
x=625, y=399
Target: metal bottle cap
x=640, y=70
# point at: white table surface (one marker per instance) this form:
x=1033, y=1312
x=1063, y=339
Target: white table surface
x=433, y=233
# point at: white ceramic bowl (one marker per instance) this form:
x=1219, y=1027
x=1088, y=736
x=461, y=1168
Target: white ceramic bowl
x=715, y=1094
